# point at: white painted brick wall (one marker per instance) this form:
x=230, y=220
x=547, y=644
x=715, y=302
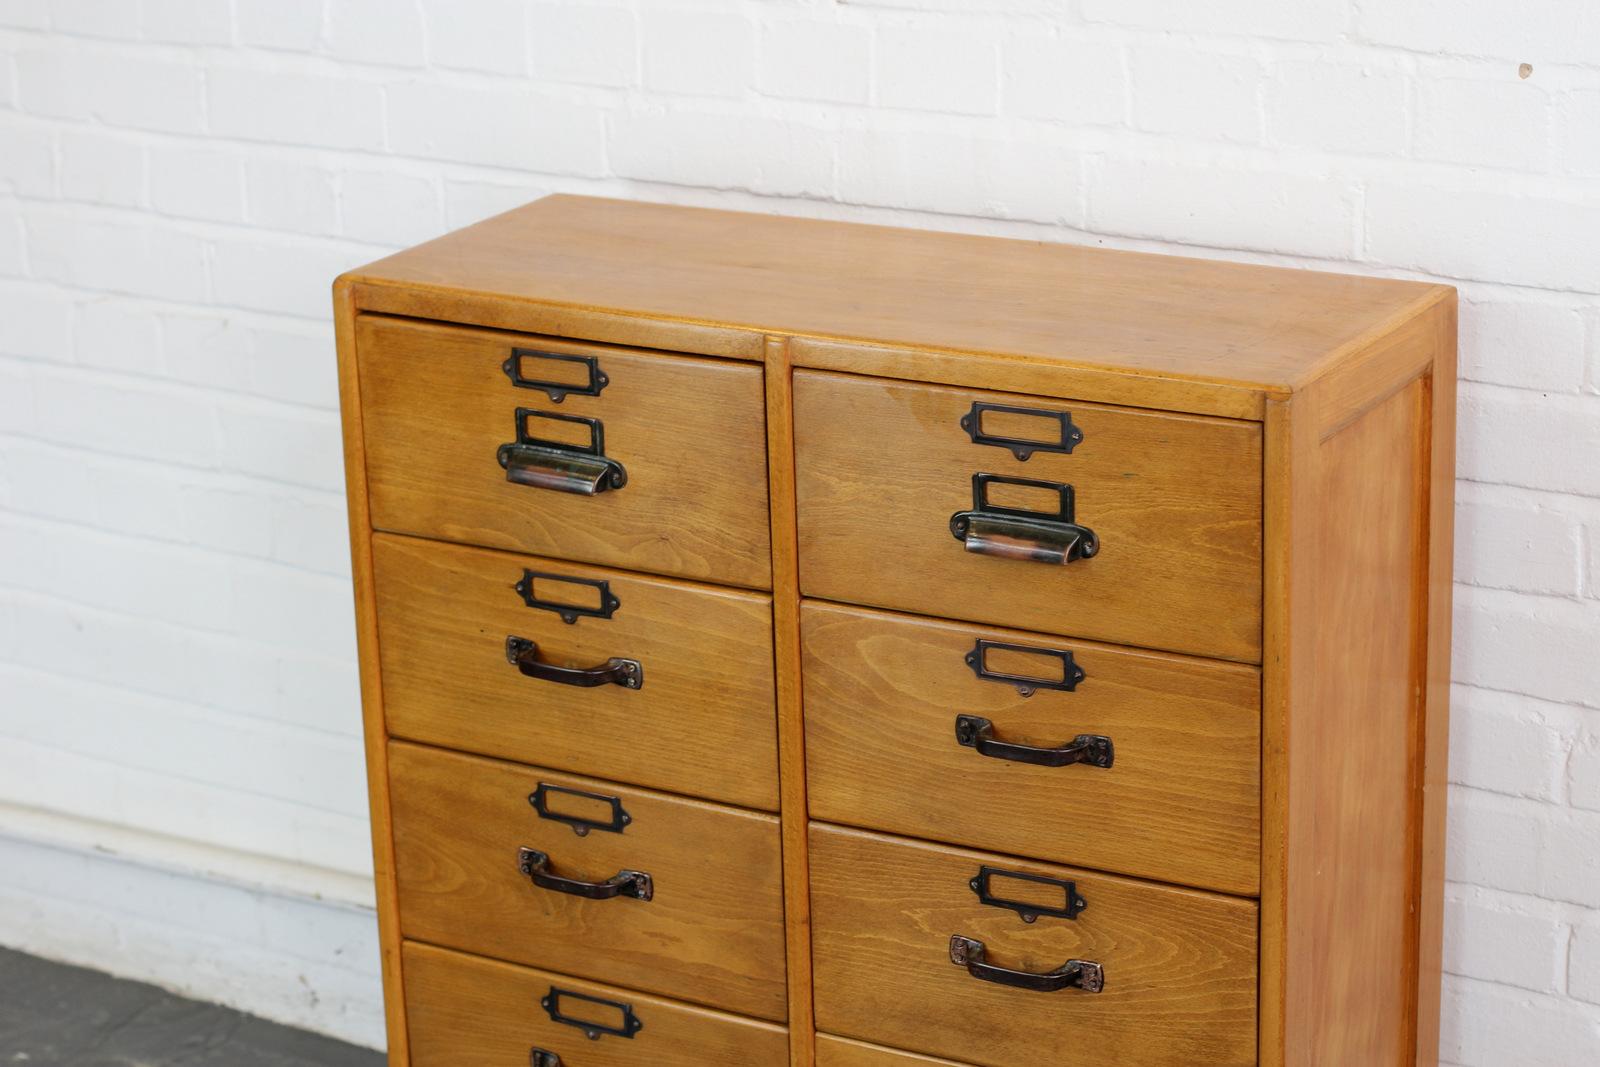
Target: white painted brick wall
x=180, y=179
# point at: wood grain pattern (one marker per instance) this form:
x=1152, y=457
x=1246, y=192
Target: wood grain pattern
x=713, y=932
x=736, y=275
x=472, y=1012
x=844, y=1052
x=701, y=724
x=1176, y=501
x=1073, y=381
x=1350, y=388
x=373, y=730
x=1355, y=906
x=1181, y=803
x=523, y=314
x=1180, y=965
x=1356, y=711
x=437, y=406
x=791, y=715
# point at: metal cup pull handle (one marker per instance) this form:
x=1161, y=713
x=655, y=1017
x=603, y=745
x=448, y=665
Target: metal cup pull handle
x=561, y=470
x=536, y=865
x=1074, y=974
x=543, y=1057
x=550, y=463
x=1020, y=533
x=523, y=654
x=975, y=732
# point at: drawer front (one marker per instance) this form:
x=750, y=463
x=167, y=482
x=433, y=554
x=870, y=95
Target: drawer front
x=886, y=696
x=706, y=927
x=1178, y=965
x=1173, y=501
x=468, y=1012
x=843, y=1052
x=700, y=721
x=690, y=435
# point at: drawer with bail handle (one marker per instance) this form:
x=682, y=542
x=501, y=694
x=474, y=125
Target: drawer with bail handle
x=472, y=1012
x=1006, y=963
x=664, y=683
x=591, y=878
x=1141, y=762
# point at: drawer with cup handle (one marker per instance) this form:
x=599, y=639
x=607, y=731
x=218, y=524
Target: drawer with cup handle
x=634, y=459
x=1134, y=527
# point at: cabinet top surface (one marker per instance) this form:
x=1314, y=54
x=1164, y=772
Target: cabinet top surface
x=1133, y=312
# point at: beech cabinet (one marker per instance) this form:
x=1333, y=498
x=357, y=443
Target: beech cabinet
x=799, y=643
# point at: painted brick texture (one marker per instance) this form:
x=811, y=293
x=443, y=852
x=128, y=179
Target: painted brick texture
x=181, y=179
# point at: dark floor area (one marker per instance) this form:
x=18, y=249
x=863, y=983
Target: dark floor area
x=52, y=1015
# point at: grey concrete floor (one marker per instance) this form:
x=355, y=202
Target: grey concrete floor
x=52, y=1015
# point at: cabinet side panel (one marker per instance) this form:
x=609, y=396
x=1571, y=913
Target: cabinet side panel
x=1280, y=521
x=373, y=730
x=1359, y=492
x=1359, y=725
x=1359, y=608
x=1433, y=783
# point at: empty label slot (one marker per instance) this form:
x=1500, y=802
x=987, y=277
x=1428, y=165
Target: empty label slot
x=565, y=594
x=1025, y=497
x=577, y=435
x=539, y=367
x=1045, y=896
x=1043, y=666
x=1043, y=427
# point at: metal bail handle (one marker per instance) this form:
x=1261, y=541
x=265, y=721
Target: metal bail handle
x=976, y=732
x=523, y=654
x=1085, y=975
x=536, y=865
x=1019, y=533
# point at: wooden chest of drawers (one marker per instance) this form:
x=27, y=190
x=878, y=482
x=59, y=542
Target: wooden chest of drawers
x=788, y=642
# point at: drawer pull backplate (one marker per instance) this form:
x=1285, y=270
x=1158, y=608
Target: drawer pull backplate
x=1074, y=974
x=523, y=654
x=976, y=732
x=536, y=865
x=547, y=463
x=627, y=1025
x=1022, y=533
